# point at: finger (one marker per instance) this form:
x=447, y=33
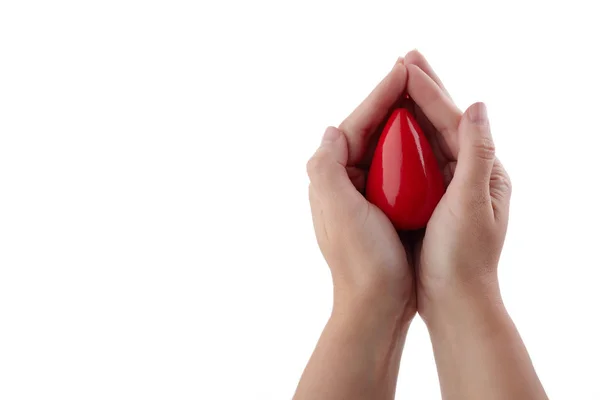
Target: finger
x=477, y=152
x=500, y=191
x=327, y=167
x=364, y=120
x=414, y=57
x=437, y=107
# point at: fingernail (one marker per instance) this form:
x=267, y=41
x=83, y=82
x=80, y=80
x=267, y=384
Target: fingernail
x=478, y=113
x=330, y=135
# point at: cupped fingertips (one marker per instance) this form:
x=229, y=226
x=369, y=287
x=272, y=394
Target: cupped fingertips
x=413, y=57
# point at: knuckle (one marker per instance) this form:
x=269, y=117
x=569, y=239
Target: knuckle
x=485, y=148
x=500, y=180
x=352, y=131
x=501, y=187
x=506, y=183
x=345, y=125
x=316, y=164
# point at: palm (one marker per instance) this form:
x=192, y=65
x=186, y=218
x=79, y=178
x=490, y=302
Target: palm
x=385, y=243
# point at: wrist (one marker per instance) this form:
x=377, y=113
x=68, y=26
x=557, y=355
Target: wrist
x=461, y=302
x=359, y=352
x=376, y=308
x=380, y=333
x=376, y=323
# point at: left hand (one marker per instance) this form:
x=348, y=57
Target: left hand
x=368, y=261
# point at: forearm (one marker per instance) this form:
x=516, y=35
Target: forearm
x=478, y=350
x=357, y=357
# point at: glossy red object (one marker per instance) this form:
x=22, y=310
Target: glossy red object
x=404, y=181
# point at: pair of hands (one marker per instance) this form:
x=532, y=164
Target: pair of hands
x=457, y=254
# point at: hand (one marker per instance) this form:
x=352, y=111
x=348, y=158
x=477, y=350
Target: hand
x=478, y=351
x=458, y=256
x=359, y=351
x=368, y=262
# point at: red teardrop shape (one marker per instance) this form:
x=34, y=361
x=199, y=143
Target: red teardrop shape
x=404, y=181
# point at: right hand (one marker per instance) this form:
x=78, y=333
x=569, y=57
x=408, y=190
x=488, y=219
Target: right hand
x=459, y=253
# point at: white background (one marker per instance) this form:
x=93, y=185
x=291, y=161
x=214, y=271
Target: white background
x=155, y=234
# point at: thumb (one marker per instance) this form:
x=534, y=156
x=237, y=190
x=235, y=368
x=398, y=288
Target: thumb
x=476, y=153
x=327, y=167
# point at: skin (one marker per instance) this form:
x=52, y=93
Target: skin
x=448, y=272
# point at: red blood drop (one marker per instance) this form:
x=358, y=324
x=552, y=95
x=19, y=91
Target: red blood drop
x=404, y=181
